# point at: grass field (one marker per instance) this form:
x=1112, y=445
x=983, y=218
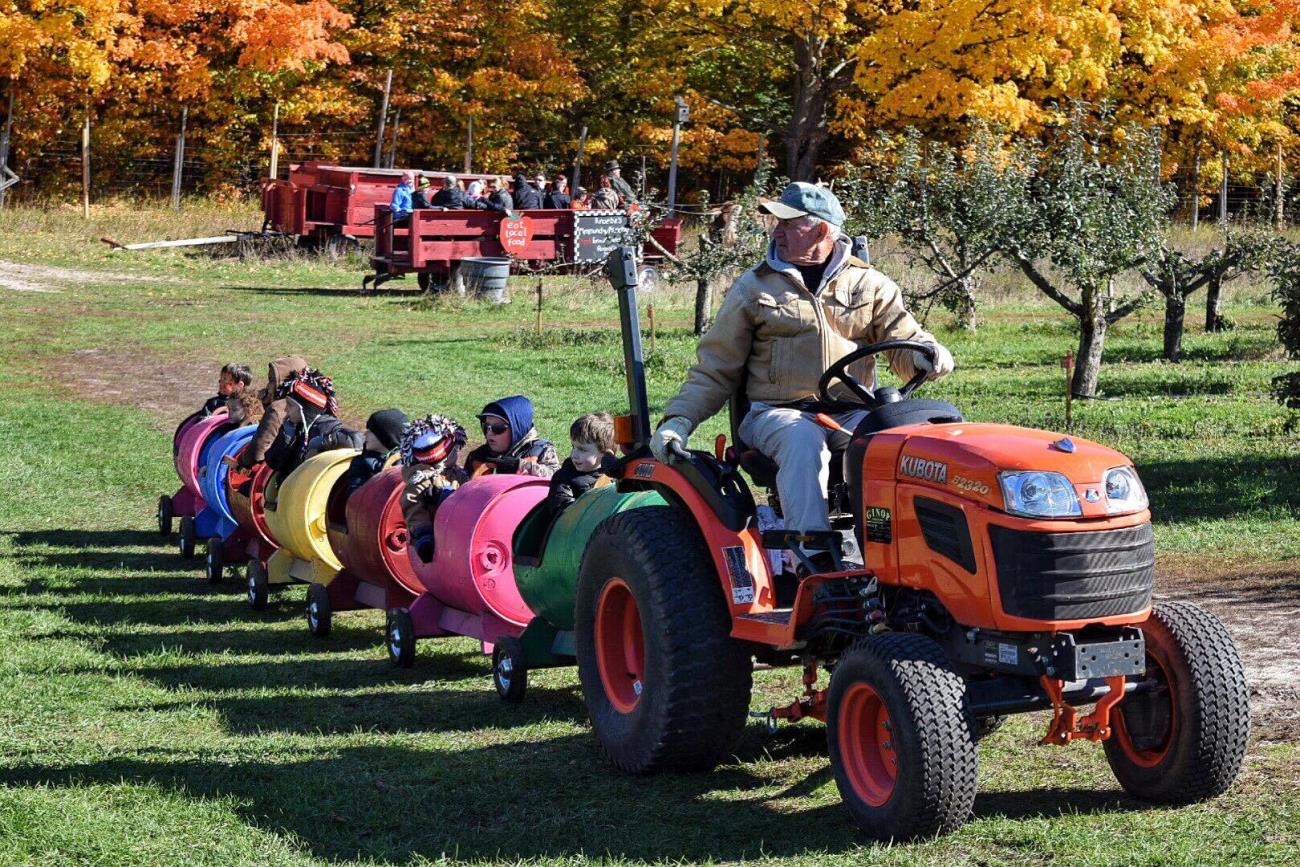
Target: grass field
x=147, y=718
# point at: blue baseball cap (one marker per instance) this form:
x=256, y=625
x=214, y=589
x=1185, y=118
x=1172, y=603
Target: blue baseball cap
x=801, y=199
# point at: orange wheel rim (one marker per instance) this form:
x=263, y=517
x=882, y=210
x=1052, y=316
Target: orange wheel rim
x=1157, y=665
x=620, y=645
x=867, y=749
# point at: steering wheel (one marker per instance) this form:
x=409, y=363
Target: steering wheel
x=839, y=371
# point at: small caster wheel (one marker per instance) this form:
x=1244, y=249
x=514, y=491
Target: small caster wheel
x=319, y=613
x=259, y=589
x=164, y=516
x=509, y=674
x=213, y=564
x=186, y=543
x=401, y=638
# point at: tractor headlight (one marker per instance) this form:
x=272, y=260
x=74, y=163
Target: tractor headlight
x=1124, y=491
x=1039, y=495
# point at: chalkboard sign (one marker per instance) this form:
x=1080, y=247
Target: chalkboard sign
x=595, y=233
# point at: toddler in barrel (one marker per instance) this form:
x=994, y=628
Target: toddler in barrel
x=430, y=447
x=591, y=463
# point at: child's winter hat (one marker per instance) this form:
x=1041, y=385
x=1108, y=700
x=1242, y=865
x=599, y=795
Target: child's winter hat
x=430, y=440
x=386, y=425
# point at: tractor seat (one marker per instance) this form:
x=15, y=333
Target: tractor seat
x=762, y=469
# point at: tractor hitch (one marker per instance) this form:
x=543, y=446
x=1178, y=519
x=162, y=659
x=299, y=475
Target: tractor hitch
x=811, y=704
x=1067, y=726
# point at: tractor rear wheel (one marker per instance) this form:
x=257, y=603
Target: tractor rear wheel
x=664, y=682
x=1185, y=740
x=901, y=742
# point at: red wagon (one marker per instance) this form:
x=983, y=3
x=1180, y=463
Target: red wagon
x=436, y=244
x=320, y=202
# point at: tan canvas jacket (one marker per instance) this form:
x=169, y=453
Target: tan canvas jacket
x=778, y=338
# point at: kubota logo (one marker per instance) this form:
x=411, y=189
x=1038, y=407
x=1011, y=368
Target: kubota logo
x=922, y=468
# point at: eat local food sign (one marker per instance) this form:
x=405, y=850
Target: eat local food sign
x=515, y=233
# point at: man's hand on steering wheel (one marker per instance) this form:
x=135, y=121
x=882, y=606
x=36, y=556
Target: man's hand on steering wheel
x=931, y=361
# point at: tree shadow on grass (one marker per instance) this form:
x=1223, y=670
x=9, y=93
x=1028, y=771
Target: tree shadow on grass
x=524, y=800
x=392, y=289
x=1221, y=487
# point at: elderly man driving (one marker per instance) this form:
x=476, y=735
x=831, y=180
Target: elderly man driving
x=782, y=324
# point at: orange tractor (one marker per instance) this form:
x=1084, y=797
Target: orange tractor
x=981, y=570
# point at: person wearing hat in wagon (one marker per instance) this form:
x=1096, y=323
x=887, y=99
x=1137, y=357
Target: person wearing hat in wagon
x=622, y=187
x=421, y=198
x=782, y=324
x=402, y=204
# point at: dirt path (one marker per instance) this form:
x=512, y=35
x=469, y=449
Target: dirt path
x=1260, y=603
x=22, y=277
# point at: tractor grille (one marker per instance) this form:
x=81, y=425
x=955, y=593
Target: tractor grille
x=1074, y=576
x=946, y=531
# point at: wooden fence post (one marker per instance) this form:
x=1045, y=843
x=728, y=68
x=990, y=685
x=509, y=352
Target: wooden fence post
x=383, y=118
x=178, y=168
x=85, y=166
x=275, y=142
x=1223, y=192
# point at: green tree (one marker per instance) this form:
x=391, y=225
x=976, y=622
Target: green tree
x=1095, y=209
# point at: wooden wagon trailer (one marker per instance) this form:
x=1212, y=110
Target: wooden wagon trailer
x=434, y=244
x=320, y=202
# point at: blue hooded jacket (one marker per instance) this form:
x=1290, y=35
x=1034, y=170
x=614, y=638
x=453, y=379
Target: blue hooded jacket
x=516, y=409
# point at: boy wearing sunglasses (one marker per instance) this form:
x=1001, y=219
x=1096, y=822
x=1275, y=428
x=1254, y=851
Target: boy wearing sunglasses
x=512, y=444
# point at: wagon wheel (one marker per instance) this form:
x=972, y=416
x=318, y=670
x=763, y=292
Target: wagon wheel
x=213, y=564
x=509, y=672
x=259, y=588
x=319, y=613
x=400, y=632
x=164, y=515
x=186, y=541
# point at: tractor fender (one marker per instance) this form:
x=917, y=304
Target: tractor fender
x=739, y=559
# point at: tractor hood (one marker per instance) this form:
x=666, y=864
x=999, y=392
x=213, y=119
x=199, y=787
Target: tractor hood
x=965, y=459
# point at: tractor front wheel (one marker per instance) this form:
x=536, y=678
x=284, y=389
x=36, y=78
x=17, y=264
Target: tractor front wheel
x=901, y=741
x=665, y=684
x=1184, y=740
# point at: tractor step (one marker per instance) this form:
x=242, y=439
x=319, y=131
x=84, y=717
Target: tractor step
x=777, y=616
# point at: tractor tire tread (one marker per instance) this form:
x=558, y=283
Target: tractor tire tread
x=945, y=736
x=1221, y=712
x=707, y=674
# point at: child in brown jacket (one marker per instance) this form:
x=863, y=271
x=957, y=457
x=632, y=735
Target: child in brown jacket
x=430, y=448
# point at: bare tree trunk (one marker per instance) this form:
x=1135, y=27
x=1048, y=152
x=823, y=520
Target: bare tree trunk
x=1214, y=321
x=703, y=305
x=966, y=319
x=1196, y=188
x=1175, y=317
x=1092, y=338
x=806, y=130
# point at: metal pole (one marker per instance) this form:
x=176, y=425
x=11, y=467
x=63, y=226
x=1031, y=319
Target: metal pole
x=275, y=142
x=4, y=138
x=469, y=146
x=672, y=166
x=577, y=162
x=85, y=166
x=178, y=168
x=624, y=259
x=383, y=117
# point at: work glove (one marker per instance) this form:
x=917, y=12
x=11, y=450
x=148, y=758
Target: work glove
x=673, y=430
x=942, y=366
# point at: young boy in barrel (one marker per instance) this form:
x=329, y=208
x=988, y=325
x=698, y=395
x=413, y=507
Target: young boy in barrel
x=589, y=465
